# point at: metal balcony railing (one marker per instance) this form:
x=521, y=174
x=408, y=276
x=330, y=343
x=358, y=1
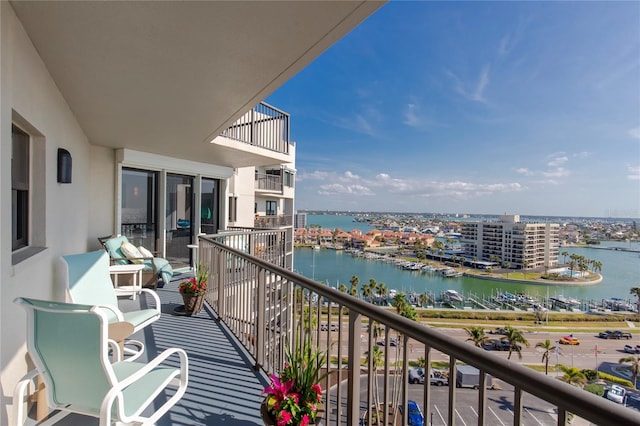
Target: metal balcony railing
x=273, y=221
x=268, y=182
x=264, y=126
x=266, y=306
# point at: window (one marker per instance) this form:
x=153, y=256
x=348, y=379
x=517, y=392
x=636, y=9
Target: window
x=272, y=208
x=288, y=179
x=19, y=188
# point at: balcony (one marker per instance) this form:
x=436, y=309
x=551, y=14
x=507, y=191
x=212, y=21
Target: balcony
x=255, y=308
x=262, y=134
x=273, y=221
x=267, y=182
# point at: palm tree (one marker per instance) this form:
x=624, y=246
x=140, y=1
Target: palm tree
x=423, y=299
x=515, y=338
x=343, y=288
x=422, y=363
x=635, y=367
x=366, y=292
x=564, y=256
x=636, y=291
x=476, y=335
x=573, y=376
x=354, y=281
x=548, y=348
x=507, y=265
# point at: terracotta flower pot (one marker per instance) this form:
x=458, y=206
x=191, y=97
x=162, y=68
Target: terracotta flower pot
x=192, y=302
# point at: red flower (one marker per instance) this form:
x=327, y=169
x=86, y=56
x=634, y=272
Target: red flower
x=284, y=418
x=305, y=420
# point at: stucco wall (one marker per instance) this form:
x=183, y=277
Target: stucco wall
x=27, y=89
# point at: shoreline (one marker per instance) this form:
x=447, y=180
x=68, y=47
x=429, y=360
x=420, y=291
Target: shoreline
x=597, y=280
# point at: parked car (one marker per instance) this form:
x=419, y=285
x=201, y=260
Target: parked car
x=616, y=394
x=637, y=348
x=414, y=414
x=416, y=375
x=498, y=330
x=333, y=327
x=629, y=349
x=438, y=379
x=569, y=340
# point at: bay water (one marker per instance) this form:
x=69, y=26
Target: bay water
x=620, y=270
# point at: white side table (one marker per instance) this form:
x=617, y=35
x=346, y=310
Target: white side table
x=134, y=269
x=195, y=248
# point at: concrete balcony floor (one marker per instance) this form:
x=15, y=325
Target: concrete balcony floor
x=223, y=387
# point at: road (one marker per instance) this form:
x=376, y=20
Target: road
x=591, y=352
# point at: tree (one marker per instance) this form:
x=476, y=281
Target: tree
x=547, y=347
x=423, y=299
x=507, y=265
x=476, y=335
x=573, y=376
x=354, y=281
x=515, y=339
x=564, y=256
x=422, y=363
x=636, y=291
x=343, y=288
x=635, y=367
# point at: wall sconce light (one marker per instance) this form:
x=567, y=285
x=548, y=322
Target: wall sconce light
x=64, y=166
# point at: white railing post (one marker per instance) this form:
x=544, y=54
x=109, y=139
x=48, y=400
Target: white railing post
x=261, y=325
x=353, y=403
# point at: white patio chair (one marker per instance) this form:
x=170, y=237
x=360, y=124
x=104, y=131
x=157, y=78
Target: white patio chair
x=69, y=346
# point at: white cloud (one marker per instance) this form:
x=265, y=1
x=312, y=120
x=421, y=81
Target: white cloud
x=583, y=154
x=558, y=172
x=558, y=161
x=354, y=185
x=524, y=171
x=410, y=117
x=477, y=94
x=634, y=173
x=635, y=133
x=339, y=189
x=483, y=81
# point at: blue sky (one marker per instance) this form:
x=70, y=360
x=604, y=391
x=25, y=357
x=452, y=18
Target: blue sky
x=529, y=108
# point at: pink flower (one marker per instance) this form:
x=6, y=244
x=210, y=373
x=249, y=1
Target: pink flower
x=305, y=420
x=284, y=418
x=316, y=387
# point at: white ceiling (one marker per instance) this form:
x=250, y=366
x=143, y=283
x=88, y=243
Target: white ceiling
x=168, y=76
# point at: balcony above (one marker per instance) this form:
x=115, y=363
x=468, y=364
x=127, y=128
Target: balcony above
x=260, y=137
x=169, y=77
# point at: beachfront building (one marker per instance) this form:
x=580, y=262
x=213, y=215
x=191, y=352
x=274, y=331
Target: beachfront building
x=300, y=220
x=508, y=240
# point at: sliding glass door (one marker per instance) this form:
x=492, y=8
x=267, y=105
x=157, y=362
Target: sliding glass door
x=138, y=207
x=179, y=218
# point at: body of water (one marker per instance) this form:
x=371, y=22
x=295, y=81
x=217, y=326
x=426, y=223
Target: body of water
x=621, y=271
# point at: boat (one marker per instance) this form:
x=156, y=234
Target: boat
x=453, y=295
x=451, y=273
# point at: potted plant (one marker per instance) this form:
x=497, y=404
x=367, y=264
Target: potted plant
x=193, y=289
x=293, y=397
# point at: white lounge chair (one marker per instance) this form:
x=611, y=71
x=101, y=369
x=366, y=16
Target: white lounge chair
x=69, y=345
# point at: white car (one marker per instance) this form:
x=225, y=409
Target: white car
x=616, y=394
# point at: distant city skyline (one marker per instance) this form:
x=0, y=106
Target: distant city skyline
x=530, y=108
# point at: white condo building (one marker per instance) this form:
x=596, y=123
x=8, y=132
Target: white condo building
x=522, y=245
